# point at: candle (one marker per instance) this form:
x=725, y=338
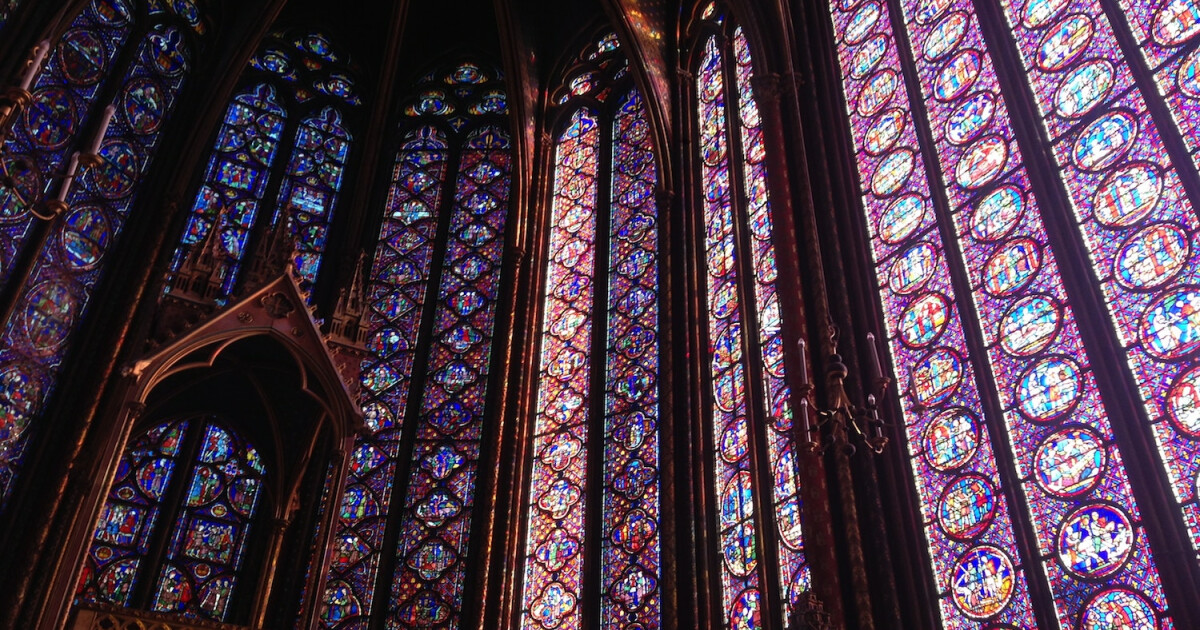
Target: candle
x=105, y=120
x=803, y=361
x=35, y=64
x=69, y=178
x=876, y=368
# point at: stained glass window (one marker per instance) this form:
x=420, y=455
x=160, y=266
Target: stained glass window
x=1134, y=224
x=1137, y=221
x=620, y=306
x=298, y=88
x=216, y=477
x=747, y=374
x=442, y=239
x=58, y=289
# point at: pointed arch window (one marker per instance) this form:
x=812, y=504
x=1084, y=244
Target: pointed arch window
x=173, y=534
x=746, y=374
x=433, y=289
x=136, y=56
x=296, y=93
x=598, y=379
x=1121, y=166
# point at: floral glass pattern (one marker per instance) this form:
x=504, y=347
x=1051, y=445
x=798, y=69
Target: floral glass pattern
x=554, y=558
x=733, y=156
x=58, y=289
x=584, y=306
x=451, y=177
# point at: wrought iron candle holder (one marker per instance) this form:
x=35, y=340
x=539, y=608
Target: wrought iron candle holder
x=842, y=422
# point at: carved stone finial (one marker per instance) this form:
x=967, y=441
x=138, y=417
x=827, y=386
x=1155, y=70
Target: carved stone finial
x=808, y=613
x=273, y=257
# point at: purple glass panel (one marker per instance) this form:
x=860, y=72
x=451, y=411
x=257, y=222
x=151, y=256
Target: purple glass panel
x=1137, y=223
x=553, y=557
x=630, y=548
x=1082, y=507
x=976, y=563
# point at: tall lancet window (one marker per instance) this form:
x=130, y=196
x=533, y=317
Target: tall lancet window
x=291, y=103
x=958, y=205
x=598, y=380
x=140, y=53
x=434, y=290
x=758, y=551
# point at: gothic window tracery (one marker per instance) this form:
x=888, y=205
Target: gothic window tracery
x=1117, y=170
x=598, y=378
x=433, y=294
x=747, y=374
x=297, y=91
x=68, y=100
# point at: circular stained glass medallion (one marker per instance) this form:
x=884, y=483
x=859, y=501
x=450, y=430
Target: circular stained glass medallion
x=997, y=214
x=1095, y=540
x=745, y=614
x=902, y=218
x=967, y=507
x=1070, y=462
x=861, y=23
x=867, y=56
x=117, y=174
x=1119, y=609
x=983, y=583
x=25, y=186
x=737, y=499
x=957, y=75
x=1038, y=13
x=1171, y=324
x=737, y=546
x=50, y=117
x=1152, y=256
x=937, y=376
x=950, y=440
x=734, y=444
x=1104, y=141
x=1064, y=42
x=1012, y=267
x=1049, y=389
x=1176, y=22
x=892, y=173
x=1084, y=88
x=912, y=269
x=877, y=92
x=930, y=10
x=981, y=163
x=924, y=319
x=885, y=131
x=1127, y=195
x=972, y=116
x=1030, y=325
x=144, y=106
x=85, y=236
x=1188, y=75
x=82, y=56
x=20, y=394
x=48, y=313
x=945, y=36
x=1183, y=402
